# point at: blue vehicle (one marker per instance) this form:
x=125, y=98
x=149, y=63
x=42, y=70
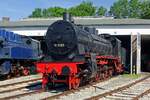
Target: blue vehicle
x=17, y=53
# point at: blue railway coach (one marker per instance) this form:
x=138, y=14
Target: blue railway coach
x=17, y=53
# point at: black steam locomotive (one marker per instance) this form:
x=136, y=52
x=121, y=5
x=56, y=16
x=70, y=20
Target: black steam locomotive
x=77, y=54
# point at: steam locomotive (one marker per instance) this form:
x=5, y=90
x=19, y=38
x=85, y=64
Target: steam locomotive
x=17, y=54
x=77, y=55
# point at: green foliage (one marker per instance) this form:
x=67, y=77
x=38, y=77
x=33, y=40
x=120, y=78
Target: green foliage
x=145, y=10
x=36, y=13
x=120, y=8
x=52, y=11
x=84, y=9
x=134, y=76
x=55, y=11
x=131, y=9
x=101, y=11
x=134, y=10
x=45, y=13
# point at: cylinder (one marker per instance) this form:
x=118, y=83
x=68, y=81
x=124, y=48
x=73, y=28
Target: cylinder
x=67, y=16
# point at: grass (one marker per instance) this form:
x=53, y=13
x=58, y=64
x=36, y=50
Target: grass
x=134, y=76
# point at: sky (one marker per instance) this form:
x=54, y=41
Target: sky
x=17, y=9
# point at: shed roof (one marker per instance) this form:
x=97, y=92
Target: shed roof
x=81, y=21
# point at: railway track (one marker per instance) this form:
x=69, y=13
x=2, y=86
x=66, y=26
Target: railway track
x=26, y=91
x=23, y=94
x=90, y=92
x=51, y=94
x=132, y=91
x=146, y=95
x=7, y=89
x=35, y=93
x=26, y=81
x=20, y=87
x=31, y=92
x=67, y=92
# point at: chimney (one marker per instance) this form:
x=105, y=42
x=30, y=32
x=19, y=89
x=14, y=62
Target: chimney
x=67, y=17
x=5, y=19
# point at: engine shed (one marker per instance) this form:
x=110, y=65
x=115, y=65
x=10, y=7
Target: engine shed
x=122, y=28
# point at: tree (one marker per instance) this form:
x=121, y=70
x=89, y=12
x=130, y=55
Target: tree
x=45, y=13
x=36, y=13
x=120, y=9
x=145, y=7
x=101, y=11
x=55, y=11
x=49, y=12
x=84, y=9
x=131, y=8
x=134, y=10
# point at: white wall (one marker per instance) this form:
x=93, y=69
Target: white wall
x=124, y=31
x=31, y=32
x=100, y=31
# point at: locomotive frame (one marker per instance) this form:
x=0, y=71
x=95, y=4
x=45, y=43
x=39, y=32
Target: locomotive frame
x=55, y=72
